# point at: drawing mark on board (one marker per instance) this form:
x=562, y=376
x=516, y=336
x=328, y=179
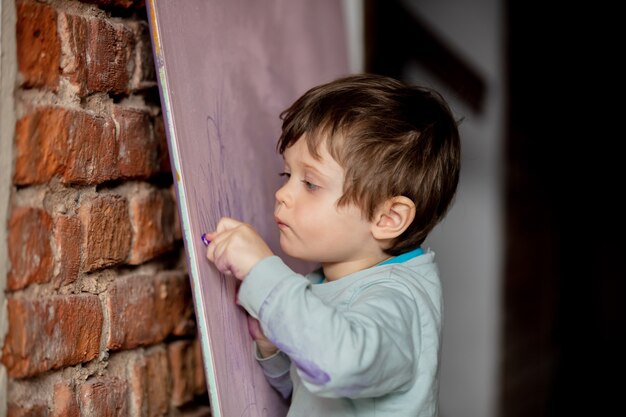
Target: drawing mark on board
x=224, y=199
x=214, y=131
x=217, y=165
x=229, y=171
x=249, y=408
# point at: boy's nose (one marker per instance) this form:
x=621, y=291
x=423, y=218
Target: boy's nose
x=282, y=195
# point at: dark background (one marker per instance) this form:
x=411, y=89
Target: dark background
x=564, y=279
x=564, y=294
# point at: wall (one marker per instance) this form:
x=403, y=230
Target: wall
x=98, y=305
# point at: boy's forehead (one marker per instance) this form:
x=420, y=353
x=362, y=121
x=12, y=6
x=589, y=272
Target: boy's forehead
x=299, y=153
x=301, y=149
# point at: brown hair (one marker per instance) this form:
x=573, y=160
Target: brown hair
x=392, y=139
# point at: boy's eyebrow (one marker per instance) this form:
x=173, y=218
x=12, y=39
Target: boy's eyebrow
x=308, y=166
x=311, y=167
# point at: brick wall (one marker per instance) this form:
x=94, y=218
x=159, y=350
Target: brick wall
x=100, y=314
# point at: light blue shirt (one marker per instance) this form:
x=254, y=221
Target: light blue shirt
x=367, y=344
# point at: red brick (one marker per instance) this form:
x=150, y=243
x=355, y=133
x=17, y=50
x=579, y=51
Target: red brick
x=29, y=247
x=144, y=310
x=40, y=140
x=27, y=410
x=73, y=32
x=178, y=231
x=153, y=220
x=104, y=397
x=158, y=385
x=138, y=152
x=106, y=231
x=66, y=233
x=74, y=144
x=118, y=3
x=182, y=363
x=65, y=402
x=150, y=383
x=28, y=397
x=91, y=154
x=61, y=331
x=109, y=49
x=199, y=380
x=38, y=46
x=97, y=54
x=161, y=140
x=144, y=75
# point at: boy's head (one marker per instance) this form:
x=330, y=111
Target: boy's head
x=390, y=138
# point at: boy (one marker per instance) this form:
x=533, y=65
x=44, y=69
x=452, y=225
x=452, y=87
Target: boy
x=371, y=166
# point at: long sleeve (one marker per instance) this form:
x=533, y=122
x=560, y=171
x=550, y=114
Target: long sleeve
x=276, y=370
x=365, y=349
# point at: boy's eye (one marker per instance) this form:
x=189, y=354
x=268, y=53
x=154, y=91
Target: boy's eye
x=310, y=186
x=285, y=175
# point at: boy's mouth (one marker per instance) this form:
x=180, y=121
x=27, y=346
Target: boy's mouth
x=279, y=223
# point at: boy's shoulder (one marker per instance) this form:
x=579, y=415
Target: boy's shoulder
x=416, y=277
x=418, y=272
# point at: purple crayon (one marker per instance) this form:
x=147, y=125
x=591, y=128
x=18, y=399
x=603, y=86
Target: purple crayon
x=205, y=240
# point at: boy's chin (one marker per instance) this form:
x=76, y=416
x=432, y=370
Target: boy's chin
x=294, y=253
x=288, y=250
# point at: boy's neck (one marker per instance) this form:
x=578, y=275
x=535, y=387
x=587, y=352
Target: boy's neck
x=337, y=270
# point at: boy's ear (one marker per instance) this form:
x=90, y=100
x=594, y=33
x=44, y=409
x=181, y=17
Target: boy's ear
x=394, y=217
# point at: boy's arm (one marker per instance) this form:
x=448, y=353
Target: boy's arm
x=364, y=352
x=274, y=363
x=276, y=370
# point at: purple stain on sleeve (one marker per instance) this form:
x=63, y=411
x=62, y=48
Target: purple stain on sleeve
x=311, y=372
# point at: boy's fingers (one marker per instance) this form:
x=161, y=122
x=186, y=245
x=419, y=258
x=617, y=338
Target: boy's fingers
x=216, y=252
x=223, y=225
x=254, y=328
x=210, y=253
x=206, y=238
x=214, y=248
x=226, y=223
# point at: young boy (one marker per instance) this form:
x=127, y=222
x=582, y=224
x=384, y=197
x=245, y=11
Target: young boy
x=371, y=166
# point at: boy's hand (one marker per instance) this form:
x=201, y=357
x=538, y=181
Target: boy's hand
x=235, y=248
x=265, y=346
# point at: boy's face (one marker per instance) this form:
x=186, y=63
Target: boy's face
x=311, y=225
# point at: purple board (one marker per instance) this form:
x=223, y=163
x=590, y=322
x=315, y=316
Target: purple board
x=226, y=69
